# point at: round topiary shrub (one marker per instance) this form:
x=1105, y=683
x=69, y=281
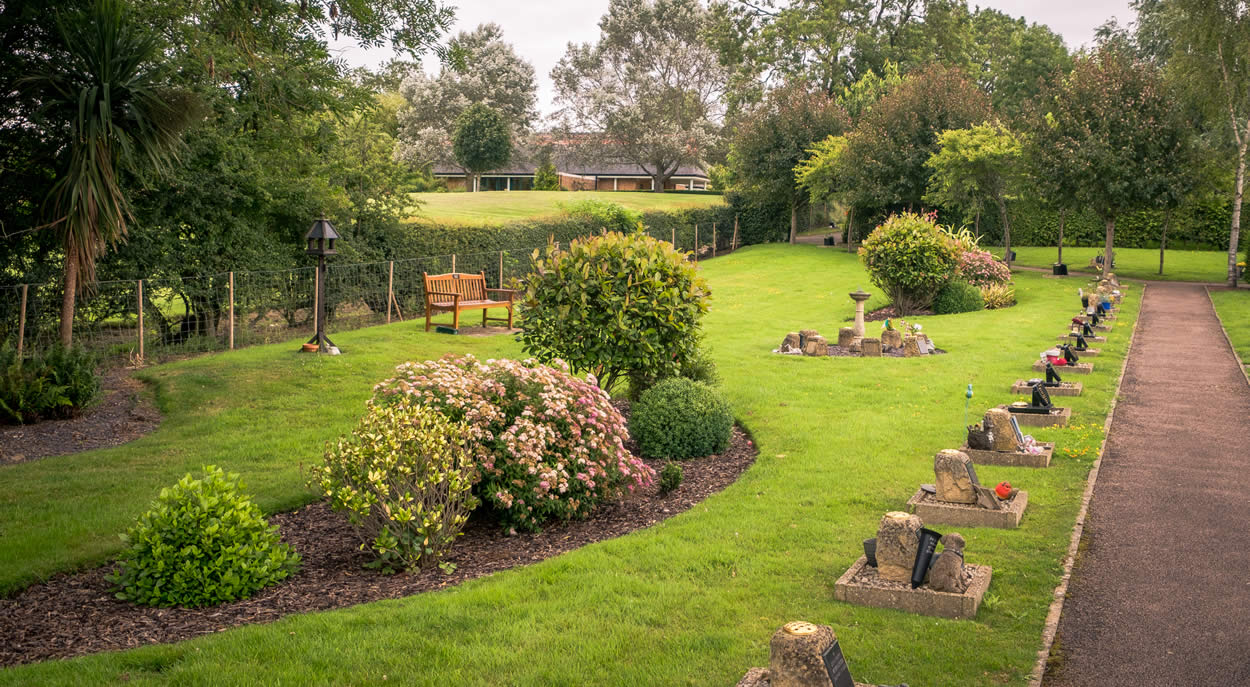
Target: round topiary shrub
x=958, y=296
x=546, y=444
x=616, y=305
x=980, y=268
x=405, y=480
x=678, y=418
x=910, y=258
x=202, y=543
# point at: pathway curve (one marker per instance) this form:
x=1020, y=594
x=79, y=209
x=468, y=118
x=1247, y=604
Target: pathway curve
x=1161, y=592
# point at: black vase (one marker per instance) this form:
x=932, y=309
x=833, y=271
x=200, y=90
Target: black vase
x=924, y=555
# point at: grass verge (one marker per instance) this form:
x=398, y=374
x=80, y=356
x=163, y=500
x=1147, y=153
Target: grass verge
x=497, y=207
x=1132, y=263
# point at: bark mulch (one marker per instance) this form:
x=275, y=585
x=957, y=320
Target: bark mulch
x=72, y=615
x=123, y=414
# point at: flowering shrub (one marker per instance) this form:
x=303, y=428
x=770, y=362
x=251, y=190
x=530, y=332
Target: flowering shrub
x=547, y=444
x=979, y=268
x=405, y=480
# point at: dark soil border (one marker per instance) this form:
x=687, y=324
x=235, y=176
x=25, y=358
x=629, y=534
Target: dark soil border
x=74, y=614
x=123, y=414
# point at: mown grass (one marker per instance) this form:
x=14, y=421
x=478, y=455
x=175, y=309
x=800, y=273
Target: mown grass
x=1233, y=307
x=1132, y=263
x=690, y=601
x=497, y=207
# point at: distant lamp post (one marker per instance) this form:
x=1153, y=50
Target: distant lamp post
x=321, y=238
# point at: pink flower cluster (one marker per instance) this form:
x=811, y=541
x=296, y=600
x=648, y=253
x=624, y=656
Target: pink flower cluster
x=980, y=268
x=549, y=445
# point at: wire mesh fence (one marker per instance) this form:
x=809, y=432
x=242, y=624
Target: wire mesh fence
x=153, y=319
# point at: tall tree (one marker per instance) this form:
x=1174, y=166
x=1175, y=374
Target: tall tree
x=487, y=71
x=1209, y=56
x=776, y=137
x=1012, y=58
x=1116, y=135
x=982, y=163
x=482, y=141
x=106, y=101
x=649, y=92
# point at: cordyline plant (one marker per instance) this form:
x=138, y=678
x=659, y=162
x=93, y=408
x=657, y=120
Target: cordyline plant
x=545, y=443
x=615, y=306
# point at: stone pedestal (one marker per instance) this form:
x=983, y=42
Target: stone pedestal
x=859, y=296
x=953, y=477
x=897, y=541
x=796, y=655
x=871, y=348
x=911, y=347
x=846, y=337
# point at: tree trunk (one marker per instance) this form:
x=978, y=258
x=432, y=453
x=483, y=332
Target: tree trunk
x=794, y=221
x=71, y=290
x=976, y=223
x=1002, y=211
x=1062, y=216
x=1235, y=229
x=850, y=229
x=657, y=183
x=1163, y=240
x=1108, y=249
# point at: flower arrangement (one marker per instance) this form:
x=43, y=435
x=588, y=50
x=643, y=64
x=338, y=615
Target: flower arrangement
x=980, y=268
x=547, y=444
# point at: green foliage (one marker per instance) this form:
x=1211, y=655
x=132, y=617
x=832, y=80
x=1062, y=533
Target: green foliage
x=911, y=259
x=202, y=543
x=670, y=477
x=956, y=297
x=818, y=174
x=614, y=305
x=605, y=214
x=697, y=366
x=679, y=418
x=963, y=237
x=56, y=383
x=545, y=176
x=998, y=296
x=859, y=98
x=405, y=480
x=980, y=164
x=482, y=140
x=1012, y=58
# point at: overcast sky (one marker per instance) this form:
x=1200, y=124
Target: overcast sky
x=539, y=31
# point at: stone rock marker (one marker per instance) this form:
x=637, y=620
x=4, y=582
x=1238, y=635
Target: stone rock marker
x=871, y=348
x=947, y=574
x=816, y=346
x=846, y=337
x=790, y=343
x=859, y=296
x=954, y=477
x=805, y=334
x=897, y=542
x=1002, y=436
x=796, y=655
x=911, y=347
x=891, y=338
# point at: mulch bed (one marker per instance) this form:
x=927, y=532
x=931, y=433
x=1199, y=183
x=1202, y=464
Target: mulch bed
x=123, y=414
x=72, y=615
x=890, y=312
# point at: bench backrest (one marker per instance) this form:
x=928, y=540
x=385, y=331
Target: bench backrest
x=471, y=287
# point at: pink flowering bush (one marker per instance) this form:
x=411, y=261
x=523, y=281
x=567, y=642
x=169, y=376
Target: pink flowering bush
x=980, y=268
x=547, y=444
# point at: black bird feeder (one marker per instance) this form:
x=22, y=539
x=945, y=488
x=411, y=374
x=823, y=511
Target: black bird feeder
x=321, y=238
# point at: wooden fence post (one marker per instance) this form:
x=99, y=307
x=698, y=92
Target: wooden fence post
x=232, y=311
x=140, y=321
x=390, y=289
x=673, y=241
x=734, y=244
x=713, y=239
x=696, y=243
x=21, y=323
x=453, y=262
x=501, y=269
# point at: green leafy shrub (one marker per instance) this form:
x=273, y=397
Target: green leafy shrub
x=547, y=444
x=998, y=296
x=697, y=366
x=670, y=477
x=58, y=383
x=202, y=543
x=911, y=259
x=604, y=213
x=405, y=479
x=678, y=418
x=614, y=306
x=956, y=297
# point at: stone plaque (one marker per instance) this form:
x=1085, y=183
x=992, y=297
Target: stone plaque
x=1015, y=427
x=835, y=665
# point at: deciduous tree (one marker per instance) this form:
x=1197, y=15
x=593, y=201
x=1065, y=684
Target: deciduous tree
x=482, y=141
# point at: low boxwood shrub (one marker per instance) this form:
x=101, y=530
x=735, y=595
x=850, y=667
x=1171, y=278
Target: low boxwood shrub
x=980, y=268
x=911, y=258
x=546, y=444
x=57, y=383
x=670, y=477
x=679, y=418
x=956, y=297
x=405, y=480
x=202, y=543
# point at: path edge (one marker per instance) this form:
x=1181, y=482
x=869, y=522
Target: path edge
x=1224, y=330
x=1051, y=628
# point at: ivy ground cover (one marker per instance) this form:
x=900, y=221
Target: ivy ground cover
x=691, y=601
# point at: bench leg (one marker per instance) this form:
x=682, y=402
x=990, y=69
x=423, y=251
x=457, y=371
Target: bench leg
x=483, y=317
x=509, y=316
x=455, y=320
x=427, y=318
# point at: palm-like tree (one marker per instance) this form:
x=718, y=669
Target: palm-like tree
x=103, y=97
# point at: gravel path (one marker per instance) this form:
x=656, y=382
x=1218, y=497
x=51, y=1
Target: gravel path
x=1161, y=592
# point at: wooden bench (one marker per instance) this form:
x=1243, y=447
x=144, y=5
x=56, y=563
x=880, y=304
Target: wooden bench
x=457, y=292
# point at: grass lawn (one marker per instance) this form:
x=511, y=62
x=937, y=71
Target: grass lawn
x=497, y=207
x=690, y=601
x=1133, y=263
x=1233, y=307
